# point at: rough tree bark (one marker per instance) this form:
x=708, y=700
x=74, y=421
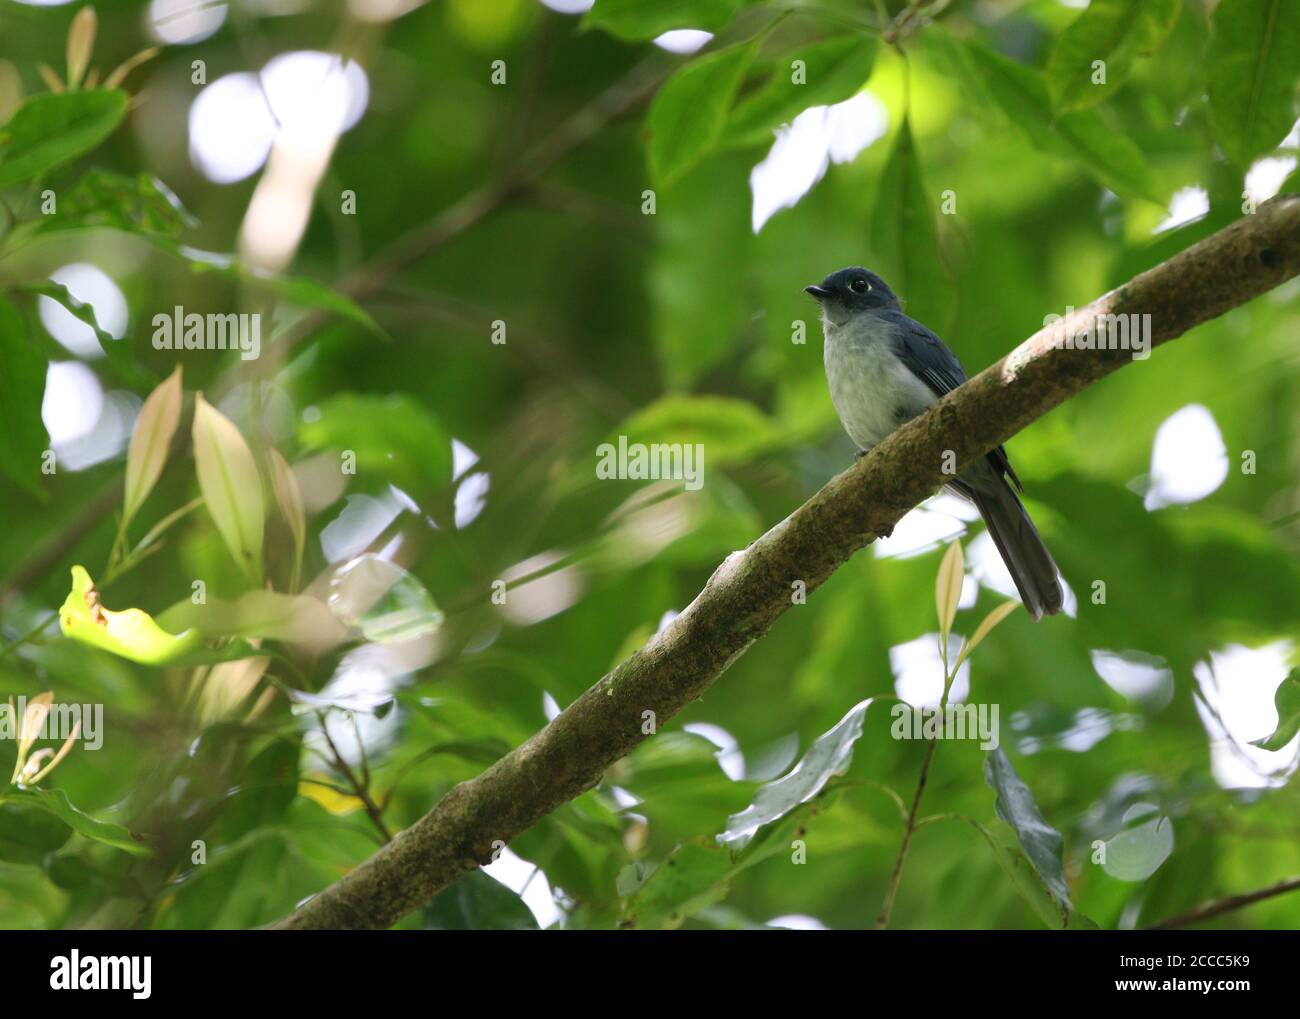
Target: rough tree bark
x=751, y=589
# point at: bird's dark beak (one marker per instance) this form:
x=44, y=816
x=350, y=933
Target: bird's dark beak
x=817, y=291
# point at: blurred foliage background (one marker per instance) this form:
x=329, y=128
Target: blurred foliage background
x=484, y=236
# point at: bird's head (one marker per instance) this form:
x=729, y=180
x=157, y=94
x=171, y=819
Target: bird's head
x=852, y=291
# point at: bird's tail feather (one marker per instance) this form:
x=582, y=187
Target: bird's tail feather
x=1030, y=564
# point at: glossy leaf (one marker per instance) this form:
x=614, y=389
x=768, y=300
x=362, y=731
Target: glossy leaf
x=1287, y=701
x=55, y=803
x=49, y=130
x=829, y=755
x=1041, y=842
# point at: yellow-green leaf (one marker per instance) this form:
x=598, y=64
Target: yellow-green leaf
x=131, y=633
x=947, y=588
x=231, y=486
x=986, y=626
x=289, y=498
x=81, y=43
x=150, y=442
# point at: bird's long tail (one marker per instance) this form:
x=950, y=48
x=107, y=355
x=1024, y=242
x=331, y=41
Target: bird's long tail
x=1030, y=564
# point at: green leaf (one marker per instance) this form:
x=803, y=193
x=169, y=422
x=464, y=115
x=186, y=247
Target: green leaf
x=1113, y=31
x=829, y=755
x=833, y=70
x=131, y=633
x=732, y=431
x=634, y=20
x=478, y=902
x=1079, y=137
x=689, y=112
x=1041, y=842
x=695, y=876
x=1252, y=73
x=27, y=835
x=1287, y=702
x=49, y=130
x=103, y=198
x=231, y=486
x=22, y=388
x=905, y=238
x=55, y=803
x=393, y=436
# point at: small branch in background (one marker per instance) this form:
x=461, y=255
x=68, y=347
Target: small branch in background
x=1218, y=907
x=55, y=550
x=359, y=788
x=882, y=921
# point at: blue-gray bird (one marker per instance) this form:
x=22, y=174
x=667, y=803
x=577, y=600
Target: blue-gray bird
x=884, y=369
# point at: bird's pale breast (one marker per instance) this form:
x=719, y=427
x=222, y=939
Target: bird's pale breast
x=873, y=391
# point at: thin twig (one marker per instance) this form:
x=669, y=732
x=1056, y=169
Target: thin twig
x=362, y=793
x=1218, y=907
x=882, y=921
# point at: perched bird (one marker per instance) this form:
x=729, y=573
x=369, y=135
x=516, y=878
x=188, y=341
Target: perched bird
x=883, y=369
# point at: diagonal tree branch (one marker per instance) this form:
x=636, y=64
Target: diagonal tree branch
x=751, y=589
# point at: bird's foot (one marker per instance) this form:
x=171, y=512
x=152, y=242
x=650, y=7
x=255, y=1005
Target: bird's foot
x=860, y=454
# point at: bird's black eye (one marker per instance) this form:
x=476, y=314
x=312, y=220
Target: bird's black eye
x=860, y=285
